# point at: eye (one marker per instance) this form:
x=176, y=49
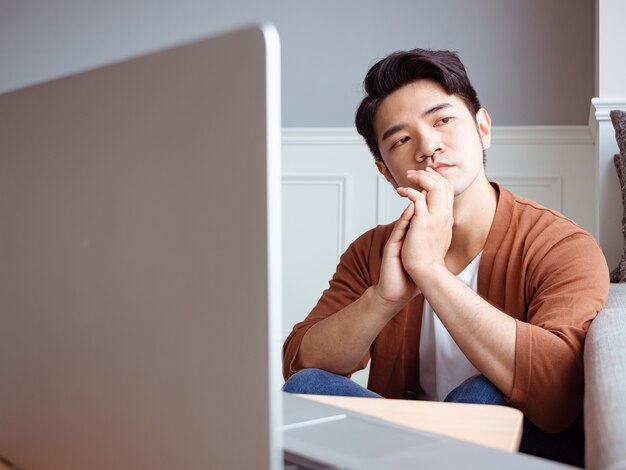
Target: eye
x=400, y=141
x=443, y=121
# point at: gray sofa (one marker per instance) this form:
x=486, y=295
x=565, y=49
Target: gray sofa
x=605, y=385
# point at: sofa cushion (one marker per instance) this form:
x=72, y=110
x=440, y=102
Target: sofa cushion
x=616, y=298
x=618, y=118
x=605, y=388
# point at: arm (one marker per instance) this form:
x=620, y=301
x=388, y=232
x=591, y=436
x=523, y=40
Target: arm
x=338, y=333
x=567, y=289
x=339, y=342
x=484, y=334
x=533, y=351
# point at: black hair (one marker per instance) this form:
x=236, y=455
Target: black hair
x=403, y=67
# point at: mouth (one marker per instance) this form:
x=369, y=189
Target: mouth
x=440, y=167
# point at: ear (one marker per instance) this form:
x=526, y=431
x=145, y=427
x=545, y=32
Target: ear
x=484, y=127
x=382, y=168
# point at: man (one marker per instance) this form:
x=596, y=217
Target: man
x=474, y=294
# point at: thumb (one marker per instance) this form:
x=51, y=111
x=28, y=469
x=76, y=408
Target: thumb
x=402, y=224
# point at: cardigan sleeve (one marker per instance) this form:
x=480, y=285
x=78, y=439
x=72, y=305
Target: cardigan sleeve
x=351, y=279
x=568, y=287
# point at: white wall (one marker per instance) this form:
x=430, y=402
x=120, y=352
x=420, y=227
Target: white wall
x=611, y=59
x=530, y=60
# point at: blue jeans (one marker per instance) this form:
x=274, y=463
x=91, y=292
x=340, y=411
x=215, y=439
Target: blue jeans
x=320, y=382
x=561, y=446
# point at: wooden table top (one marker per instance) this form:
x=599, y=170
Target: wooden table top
x=489, y=425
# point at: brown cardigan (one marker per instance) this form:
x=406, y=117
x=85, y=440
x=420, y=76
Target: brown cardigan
x=537, y=266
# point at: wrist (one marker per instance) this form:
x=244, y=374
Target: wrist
x=428, y=274
x=379, y=303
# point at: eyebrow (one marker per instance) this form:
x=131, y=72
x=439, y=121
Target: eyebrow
x=398, y=127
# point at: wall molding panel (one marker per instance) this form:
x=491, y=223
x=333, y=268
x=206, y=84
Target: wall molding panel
x=336, y=186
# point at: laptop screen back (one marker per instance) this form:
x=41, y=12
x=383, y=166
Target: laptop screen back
x=140, y=262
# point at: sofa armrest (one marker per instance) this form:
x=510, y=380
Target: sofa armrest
x=605, y=390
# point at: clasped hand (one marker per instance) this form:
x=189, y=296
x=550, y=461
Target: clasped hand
x=420, y=238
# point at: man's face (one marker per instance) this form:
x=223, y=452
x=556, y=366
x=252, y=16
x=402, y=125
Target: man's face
x=420, y=125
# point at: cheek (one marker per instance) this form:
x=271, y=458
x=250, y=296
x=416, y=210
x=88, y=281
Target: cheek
x=469, y=139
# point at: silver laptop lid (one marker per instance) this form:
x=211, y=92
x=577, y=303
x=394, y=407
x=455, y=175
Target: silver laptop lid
x=140, y=262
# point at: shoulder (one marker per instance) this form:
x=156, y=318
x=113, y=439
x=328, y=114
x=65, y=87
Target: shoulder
x=520, y=218
x=527, y=208
x=546, y=240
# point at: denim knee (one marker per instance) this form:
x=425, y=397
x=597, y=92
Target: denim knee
x=320, y=382
x=303, y=381
x=477, y=389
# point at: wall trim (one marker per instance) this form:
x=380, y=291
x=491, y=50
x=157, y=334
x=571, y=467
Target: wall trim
x=338, y=181
x=541, y=135
x=500, y=134
x=602, y=107
x=600, y=111
x=321, y=136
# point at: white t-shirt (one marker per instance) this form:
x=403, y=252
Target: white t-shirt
x=443, y=366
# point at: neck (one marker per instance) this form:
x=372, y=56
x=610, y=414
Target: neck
x=474, y=211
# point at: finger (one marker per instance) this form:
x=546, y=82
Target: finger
x=402, y=224
x=438, y=195
x=438, y=176
x=409, y=193
x=421, y=178
x=418, y=198
x=428, y=179
x=408, y=212
x=435, y=185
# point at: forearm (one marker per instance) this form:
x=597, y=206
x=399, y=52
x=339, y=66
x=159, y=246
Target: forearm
x=484, y=334
x=340, y=341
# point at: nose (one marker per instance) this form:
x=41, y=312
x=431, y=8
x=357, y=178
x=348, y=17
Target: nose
x=430, y=144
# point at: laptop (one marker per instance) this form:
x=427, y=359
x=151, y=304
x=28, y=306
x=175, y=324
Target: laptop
x=140, y=280
x=140, y=262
